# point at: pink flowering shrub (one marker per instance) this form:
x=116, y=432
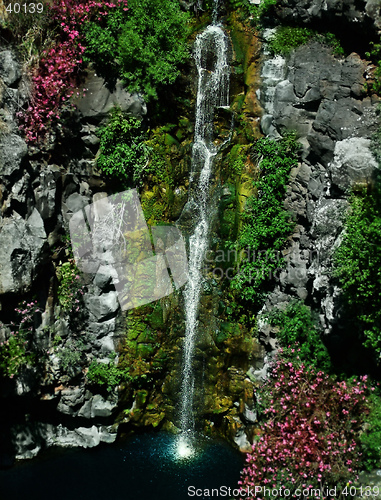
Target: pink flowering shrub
x=59, y=71
x=310, y=437
x=15, y=351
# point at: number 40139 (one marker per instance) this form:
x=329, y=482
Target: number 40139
x=30, y=8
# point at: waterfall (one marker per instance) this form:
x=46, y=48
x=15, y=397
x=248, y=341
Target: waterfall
x=273, y=71
x=211, y=57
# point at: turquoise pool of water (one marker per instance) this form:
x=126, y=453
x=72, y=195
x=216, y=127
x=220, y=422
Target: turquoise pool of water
x=146, y=466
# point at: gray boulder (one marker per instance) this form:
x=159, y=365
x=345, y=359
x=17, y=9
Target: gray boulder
x=99, y=100
x=101, y=407
x=22, y=244
x=45, y=193
x=10, y=70
x=103, y=306
x=12, y=151
x=353, y=162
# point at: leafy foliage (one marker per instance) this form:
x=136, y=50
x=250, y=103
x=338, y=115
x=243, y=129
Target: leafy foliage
x=145, y=49
x=288, y=38
x=123, y=153
x=249, y=9
x=15, y=351
x=72, y=353
x=375, y=55
x=371, y=437
x=311, y=433
x=358, y=264
x=70, y=288
x=266, y=223
x=108, y=374
x=297, y=326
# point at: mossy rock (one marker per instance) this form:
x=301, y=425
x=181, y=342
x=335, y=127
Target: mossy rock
x=171, y=141
x=135, y=328
x=141, y=397
x=145, y=350
x=155, y=319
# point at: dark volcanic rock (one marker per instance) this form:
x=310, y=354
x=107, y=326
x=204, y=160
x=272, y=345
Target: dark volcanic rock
x=12, y=151
x=22, y=244
x=354, y=15
x=99, y=100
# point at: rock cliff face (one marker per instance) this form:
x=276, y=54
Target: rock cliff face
x=323, y=98
x=360, y=17
x=39, y=190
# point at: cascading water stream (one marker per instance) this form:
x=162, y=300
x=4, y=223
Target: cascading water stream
x=211, y=56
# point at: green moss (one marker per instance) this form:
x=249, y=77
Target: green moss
x=135, y=328
x=266, y=224
x=156, y=318
x=141, y=397
x=358, y=263
x=288, y=38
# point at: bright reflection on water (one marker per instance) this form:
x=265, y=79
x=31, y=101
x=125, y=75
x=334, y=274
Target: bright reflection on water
x=158, y=466
x=184, y=447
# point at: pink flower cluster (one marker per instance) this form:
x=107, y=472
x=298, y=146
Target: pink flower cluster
x=309, y=438
x=57, y=77
x=26, y=311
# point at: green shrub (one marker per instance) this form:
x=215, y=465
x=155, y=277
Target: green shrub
x=123, y=153
x=255, y=12
x=375, y=55
x=297, y=326
x=71, y=354
x=358, y=264
x=14, y=355
x=108, y=374
x=16, y=351
x=371, y=437
x=266, y=223
x=288, y=38
x=70, y=289
x=145, y=47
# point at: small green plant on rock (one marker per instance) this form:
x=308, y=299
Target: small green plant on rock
x=375, y=55
x=108, y=374
x=288, y=38
x=71, y=354
x=16, y=350
x=70, y=289
x=266, y=224
x=296, y=325
x=358, y=264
